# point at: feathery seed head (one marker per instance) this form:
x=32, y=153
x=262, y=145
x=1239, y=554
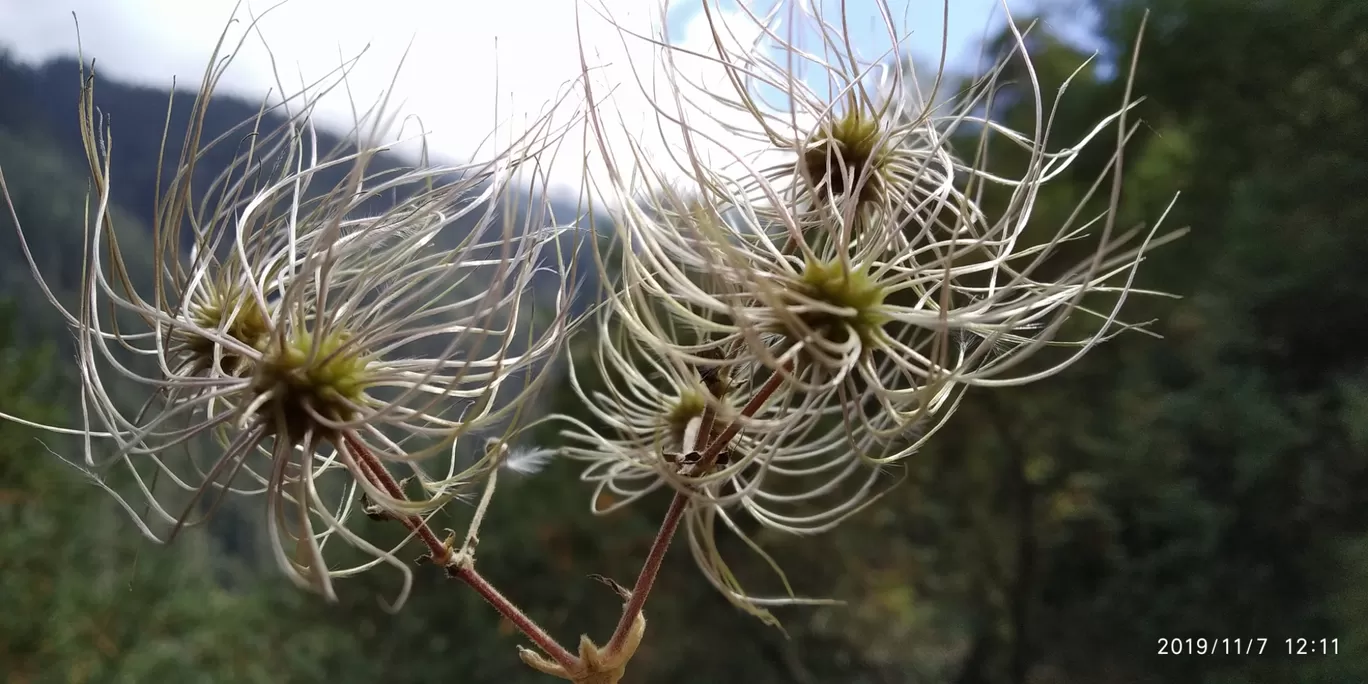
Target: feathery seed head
x=842, y=303
x=685, y=409
x=854, y=270
x=313, y=318
x=224, y=309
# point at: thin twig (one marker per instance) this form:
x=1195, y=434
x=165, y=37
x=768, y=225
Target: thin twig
x=442, y=555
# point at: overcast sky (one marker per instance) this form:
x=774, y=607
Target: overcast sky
x=450, y=75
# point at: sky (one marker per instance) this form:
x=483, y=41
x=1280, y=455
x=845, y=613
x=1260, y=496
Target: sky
x=470, y=64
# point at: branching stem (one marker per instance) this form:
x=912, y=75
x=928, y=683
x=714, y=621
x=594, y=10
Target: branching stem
x=464, y=568
x=442, y=555
x=670, y=524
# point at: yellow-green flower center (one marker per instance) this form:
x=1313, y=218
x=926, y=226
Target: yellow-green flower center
x=327, y=378
x=841, y=153
x=238, y=315
x=689, y=406
x=857, y=296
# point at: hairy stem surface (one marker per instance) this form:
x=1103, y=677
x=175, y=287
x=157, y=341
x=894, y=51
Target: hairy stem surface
x=443, y=556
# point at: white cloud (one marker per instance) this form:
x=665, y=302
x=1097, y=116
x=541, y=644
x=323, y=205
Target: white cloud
x=468, y=63
x=468, y=60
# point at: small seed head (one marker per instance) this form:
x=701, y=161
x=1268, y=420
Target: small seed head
x=690, y=405
x=841, y=153
x=837, y=286
x=236, y=313
x=326, y=378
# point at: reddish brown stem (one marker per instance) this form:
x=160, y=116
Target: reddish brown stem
x=649, y=570
x=670, y=524
x=379, y=475
x=525, y=624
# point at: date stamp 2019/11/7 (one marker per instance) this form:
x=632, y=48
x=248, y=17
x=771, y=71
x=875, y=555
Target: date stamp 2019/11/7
x=1200, y=646
x=1208, y=646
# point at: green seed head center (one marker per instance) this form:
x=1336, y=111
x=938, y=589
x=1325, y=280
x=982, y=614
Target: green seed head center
x=249, y=323
x=238, y=315
x=327, y=377
x=853, y=291
x=841, y=152
x=689, y=406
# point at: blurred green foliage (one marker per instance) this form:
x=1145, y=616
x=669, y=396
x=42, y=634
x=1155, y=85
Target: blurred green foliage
x=1208, y=485
x=86, y=599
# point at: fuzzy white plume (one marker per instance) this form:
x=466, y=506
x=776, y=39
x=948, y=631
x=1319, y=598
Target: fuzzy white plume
x=527, y=461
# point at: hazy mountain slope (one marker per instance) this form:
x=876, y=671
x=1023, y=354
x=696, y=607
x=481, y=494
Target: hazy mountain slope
x=42, y=155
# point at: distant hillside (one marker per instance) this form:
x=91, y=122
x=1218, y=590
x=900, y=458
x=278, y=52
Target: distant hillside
x=42, y=156
x=41, y=101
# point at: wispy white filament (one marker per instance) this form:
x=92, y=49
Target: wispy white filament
x=323, y=314
x=851, y=253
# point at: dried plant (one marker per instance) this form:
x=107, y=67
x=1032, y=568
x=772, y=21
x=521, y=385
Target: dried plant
x=812, y=279
x=805, y=286
x=324, y=323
